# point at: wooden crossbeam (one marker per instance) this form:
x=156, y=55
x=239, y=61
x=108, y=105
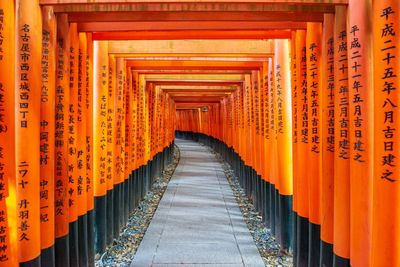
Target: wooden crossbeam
x=194, y=65
x=212, y=48
x=188, y=26
x=191, y=35
x=193, y=5
x=138, y=16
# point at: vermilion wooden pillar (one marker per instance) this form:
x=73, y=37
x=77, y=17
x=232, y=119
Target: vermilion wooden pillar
x=89, y=148
x=8, y=202
x=302, y=120
x=273, y=148
x=267, y=144
x=47, y=136
x=119, y=135
x=72, y=149
x=328, y=140
x=284, y=141
x=61, y=142
x=81, y=143
x=110, y=167
x=128, y=140
x=100, y=88
x=295, y=136
x=341, y=219
x=386, y=182
x=361, y=102
x=314, y=93
x=27, y=129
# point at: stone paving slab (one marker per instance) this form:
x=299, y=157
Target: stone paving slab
x=198, y=222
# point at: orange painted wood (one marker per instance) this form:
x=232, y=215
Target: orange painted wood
x=272, y=126
x=27, y=126
x=110, y=172
x=284, y=116
x=247, y=131
x=194, y=34
x=257, y=118
x=361, y=98
x=386, y=182
x=8, y=202
x=266, y=111
x=72, y=123
x=61, y=137
x=328, y=129
x=81, y=122
x=120, y=121
x=89, y=122
x=301, y=70
x=55, y=2
x=100, y=87
x=128, y=125
x=203, y=7
x=187, y=26
x=341, y=219
x=198, y=65
x=295, y=113
x=47, y=128
x=113, y=16
x=314, y=93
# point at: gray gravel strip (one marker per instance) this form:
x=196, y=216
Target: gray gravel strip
x=268, y=247
x=123, y=250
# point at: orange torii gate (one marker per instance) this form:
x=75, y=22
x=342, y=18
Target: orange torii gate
x=77, y=101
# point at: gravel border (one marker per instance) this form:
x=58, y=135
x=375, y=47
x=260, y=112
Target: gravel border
x=266, y=243
x=124, y=248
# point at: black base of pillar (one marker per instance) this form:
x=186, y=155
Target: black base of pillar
x=82, y=240
x=62, y=251
x=326, y=259
x=90, y=237
x=73, y=244
x=314, y=234
x=32, y=263
x=286, y=222
x=340, y=262
x=47, y=257
x=302, y=242
x=110, y=217
x=100, y=229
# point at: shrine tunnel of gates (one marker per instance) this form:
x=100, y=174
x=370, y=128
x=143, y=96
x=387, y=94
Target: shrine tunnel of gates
x=300, y=97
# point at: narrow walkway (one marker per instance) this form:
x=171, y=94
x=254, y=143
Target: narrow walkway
x=198, y=222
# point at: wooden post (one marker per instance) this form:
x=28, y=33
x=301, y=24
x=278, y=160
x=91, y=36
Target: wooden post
x=267, y=141
x=81, y=122
x=110, y=168
x=128, y=141
x=295, y=136
x=47, y=135
x=386, y=182
x=341, y=219
x=314, y=93
x=119, y=135
x=8, y=202
x=72, y=150
x=61, y=142
x=27, y=129
x=89, y=148
x=100, y=87
x=361, y=102
x=328, y=140
x=303, y=191
x=284, y=141
x=272, y=132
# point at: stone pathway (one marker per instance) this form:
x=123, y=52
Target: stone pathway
x=198, y=222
